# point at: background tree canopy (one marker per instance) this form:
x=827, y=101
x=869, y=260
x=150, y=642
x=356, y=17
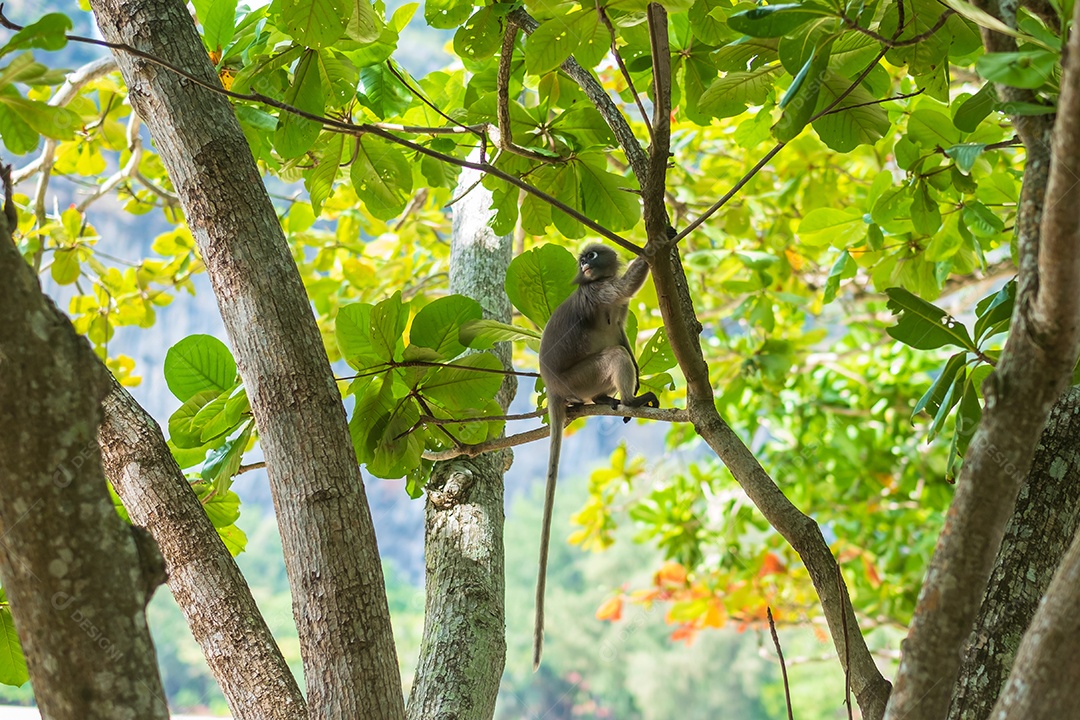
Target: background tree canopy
x=842, y=203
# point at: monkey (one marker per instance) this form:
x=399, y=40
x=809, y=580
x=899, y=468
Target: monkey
x=586, y=357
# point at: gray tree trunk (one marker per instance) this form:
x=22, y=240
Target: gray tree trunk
x=464, y=645
x=1036, y=538
x=203, y=577
x=331, y=557
x=69, y=565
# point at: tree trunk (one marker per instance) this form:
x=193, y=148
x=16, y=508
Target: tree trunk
x=464, y=645
x=203, y=577
x=339, y=597
x=69, y=565
x=1036, y=538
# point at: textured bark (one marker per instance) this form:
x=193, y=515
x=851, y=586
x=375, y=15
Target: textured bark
x=464, y=645
x=203, y=577
x=1045, y=682
x=339, y=598
x=1038, y=534
x=69, y=565
x=1035, y=366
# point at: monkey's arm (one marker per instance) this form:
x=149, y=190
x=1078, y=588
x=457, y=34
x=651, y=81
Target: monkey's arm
x=623, y=288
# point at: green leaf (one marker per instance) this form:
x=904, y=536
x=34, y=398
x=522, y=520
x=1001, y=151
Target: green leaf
x=538, y=280
x=483, y=334
x=932, y=129
x=952, y=396
x=183, y=431
x=319, y=179
x=934, y=396
x=975, y=109
x=968, y=416
x=316, y=23
x=352, y=329
x=364, y=25
x=18, y=137
x=856, y=119
x=382, y=177
x=966, y=154
x=565, y=35
x=844, y=268
x=728, y=96
x=657, y=355
x=801, y=97
x=234, y=538
x=199, y=363
x=12, y=661
x=775, y=20
x=388, y=320
x=48, y=33
x=218, y=18
x=58, y=123
x=447, y=14
x=455, y=386
x=981, y=220
x=223, y=508
x=1030, y=69
x=480, y=37
x=825, y=226
x=438, y=325
x=295, y=135
x=995, y=312
x=222, y=463
x=605, y=197
x=924, y=326
x=925, y=213
x=65, y=268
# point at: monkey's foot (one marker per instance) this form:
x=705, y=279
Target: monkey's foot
x=648, y=399
x=606, y=400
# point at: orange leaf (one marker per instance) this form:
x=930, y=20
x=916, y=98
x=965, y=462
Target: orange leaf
x=794, y=258
x=715, y=616
x=671, y=573
x=771, y=565
x=685, y=633
x=871, y=572
x=611, y=609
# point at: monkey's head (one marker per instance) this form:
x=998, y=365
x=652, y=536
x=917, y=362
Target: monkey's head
x=596, y=262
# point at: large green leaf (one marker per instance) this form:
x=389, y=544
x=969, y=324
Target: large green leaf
x=353, y=332
x=925, y=326
x=218, y=18
x=538, y=280
x=316, y=23
x=199, y=363
x=483, y=334
x=1030, y=69
x=932, y=129
x=388, y=320
x=183, y=431
x=456, y=386
x=728, y=96
x=295, y=135
x=607, y=198
x=657, y=355
x=825, y=226
x=447, y=14
x=58, y=123
x=382, y=177
x=438, y=325
x=222, y=463
x=319, y=179
x=856, y=119
x=775, y=20
x=48, y=33
x=579, y=33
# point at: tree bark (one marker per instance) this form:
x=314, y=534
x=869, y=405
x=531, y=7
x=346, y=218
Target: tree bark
x=1036, y=537
x=464, y=645
x=203, y=576
x=339, y=597
x=1045, y=681
x=70, y=566
x=1034, y=369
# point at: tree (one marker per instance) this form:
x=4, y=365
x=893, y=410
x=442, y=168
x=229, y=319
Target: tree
x=883, y=166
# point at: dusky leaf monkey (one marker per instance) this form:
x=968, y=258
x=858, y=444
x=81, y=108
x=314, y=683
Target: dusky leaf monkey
x=585, y=357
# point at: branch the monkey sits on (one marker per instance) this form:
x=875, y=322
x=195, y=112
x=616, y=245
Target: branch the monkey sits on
x=585, y=357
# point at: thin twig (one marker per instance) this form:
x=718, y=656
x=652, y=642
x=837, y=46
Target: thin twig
x=622, y=68
x=783, y=667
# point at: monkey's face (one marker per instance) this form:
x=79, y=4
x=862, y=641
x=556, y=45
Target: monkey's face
x=596, y=262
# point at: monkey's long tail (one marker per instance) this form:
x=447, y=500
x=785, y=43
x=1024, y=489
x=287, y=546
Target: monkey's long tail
x=556, y=421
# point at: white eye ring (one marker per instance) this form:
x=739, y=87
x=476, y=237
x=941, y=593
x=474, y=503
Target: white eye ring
x=591, y=255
